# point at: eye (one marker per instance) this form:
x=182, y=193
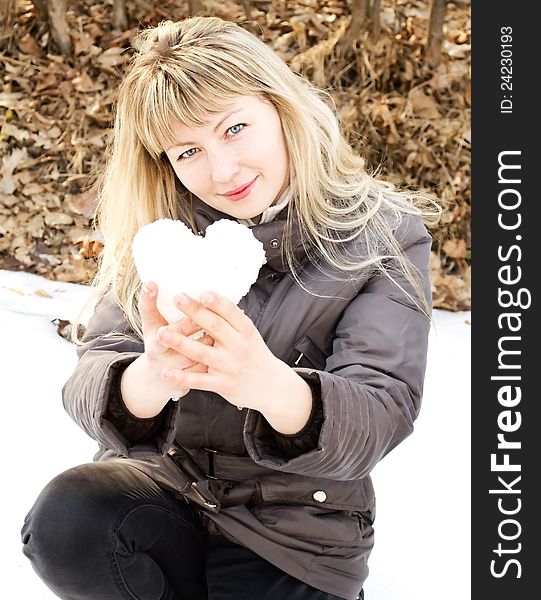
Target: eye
x=236, y=129
x=187, y=154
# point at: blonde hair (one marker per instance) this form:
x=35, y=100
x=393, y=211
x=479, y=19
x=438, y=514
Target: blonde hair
x=185, y=70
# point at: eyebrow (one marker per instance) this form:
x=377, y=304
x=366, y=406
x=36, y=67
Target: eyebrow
x=232, y=112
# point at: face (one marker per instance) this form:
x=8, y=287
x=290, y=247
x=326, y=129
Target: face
x=236, y=162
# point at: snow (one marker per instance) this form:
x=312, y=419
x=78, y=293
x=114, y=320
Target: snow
x=422, y=547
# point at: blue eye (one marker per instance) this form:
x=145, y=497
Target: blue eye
x=187, y=154
x=236, y=129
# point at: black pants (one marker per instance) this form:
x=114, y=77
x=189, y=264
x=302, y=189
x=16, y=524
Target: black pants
x=105, y=531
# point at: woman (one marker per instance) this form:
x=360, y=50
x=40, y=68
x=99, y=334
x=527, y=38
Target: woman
x=256, y=483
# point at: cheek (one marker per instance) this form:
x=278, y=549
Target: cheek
x=191, y=178
x=269, y=150
x=277, y=142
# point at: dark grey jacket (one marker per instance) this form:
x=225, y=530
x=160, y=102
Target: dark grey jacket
x=364, y=351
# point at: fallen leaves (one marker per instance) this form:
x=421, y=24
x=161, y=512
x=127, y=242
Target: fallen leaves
x=8, y=181
x=112, y=57
x=455, y=249
x=88, y=247
x=423, y=105
x=64, y=328
x=56, y=117
x=449, y=292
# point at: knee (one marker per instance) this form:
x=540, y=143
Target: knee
x=63, y=521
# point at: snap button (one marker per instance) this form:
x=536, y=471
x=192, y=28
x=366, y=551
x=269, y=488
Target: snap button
x=319, y=496
x=274, y=243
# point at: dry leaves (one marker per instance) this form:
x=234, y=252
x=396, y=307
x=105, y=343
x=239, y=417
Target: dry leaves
x=55, y=117
x=64, y=328
x=449, y=292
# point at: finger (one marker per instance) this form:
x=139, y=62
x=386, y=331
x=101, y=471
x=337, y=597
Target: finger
x=192, y=379
x=153, y=345
x=212, y=323
x=195, y=368
x=204, y=353
x=206, y=339
x=228, y=310
x=156, y=344
x=151, y=318
x=188, y=327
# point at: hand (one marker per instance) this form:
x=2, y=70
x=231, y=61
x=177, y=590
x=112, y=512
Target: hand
x=240, y=366
x=144, y=388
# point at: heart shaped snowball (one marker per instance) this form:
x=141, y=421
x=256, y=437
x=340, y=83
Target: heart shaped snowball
x=227, y=260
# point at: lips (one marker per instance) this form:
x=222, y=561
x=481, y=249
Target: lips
x=240, y=190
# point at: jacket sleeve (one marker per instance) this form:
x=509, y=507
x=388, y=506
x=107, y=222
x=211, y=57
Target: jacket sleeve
x=291, y=445
x=91, y=394
x=372, y=383
x=136, y=430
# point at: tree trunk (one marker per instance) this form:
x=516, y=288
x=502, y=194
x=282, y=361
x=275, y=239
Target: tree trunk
x=435, y=32
x=359, y=21
x=361, y=9
x=59, y=26
x=375, y=10
x=42, y=10
x=196, y=6
x=7, y=16
x=120, y=19
x=247, y=9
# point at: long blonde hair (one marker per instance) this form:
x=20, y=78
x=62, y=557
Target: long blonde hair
x=185, y=70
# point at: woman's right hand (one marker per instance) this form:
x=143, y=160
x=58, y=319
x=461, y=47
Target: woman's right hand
x=144, y=390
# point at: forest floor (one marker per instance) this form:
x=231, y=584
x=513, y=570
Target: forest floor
x=408, y=119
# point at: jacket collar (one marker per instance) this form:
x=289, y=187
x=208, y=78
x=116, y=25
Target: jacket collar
x=271, y=234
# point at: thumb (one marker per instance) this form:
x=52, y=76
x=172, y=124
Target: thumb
x=151, y=318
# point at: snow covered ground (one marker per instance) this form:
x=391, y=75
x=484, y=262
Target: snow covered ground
x=422, y=548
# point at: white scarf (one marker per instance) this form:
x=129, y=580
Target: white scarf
x=270, y=213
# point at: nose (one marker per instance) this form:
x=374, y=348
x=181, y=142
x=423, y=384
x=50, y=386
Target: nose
x=224, y=166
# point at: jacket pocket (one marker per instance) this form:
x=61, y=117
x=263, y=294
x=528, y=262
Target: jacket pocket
x=312, y=523
x=326, y=494
x=308, y=354
x=330, y=513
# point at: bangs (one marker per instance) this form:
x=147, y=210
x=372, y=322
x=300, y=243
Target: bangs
x=188, y=94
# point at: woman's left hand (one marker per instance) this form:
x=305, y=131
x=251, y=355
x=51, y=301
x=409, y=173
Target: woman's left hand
x=241, y=368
